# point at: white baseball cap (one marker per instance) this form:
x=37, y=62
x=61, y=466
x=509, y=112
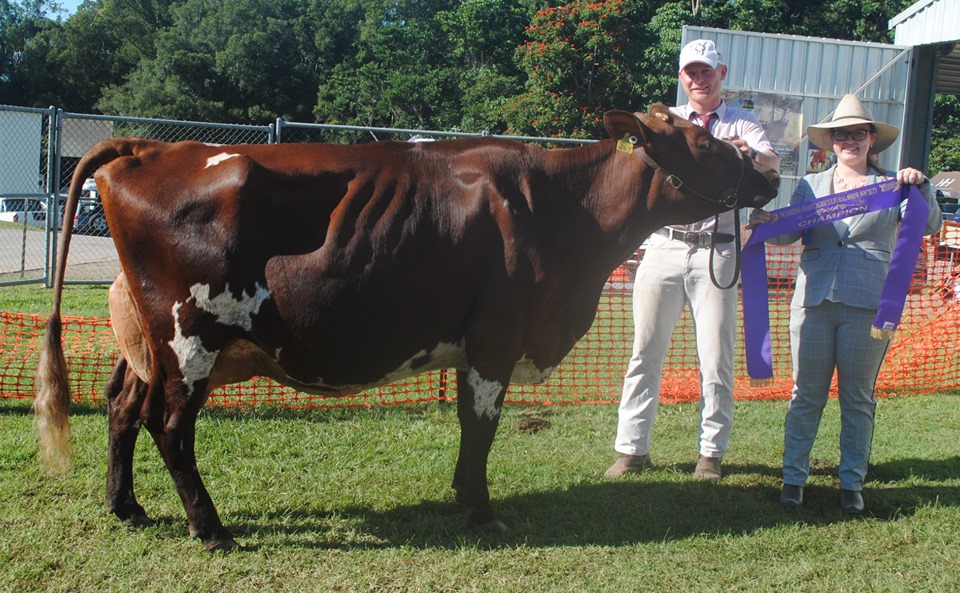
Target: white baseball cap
x=700, y=50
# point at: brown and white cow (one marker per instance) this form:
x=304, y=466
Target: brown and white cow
x=333, y=269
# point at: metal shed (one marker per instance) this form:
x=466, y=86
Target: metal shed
x=932, y=29
x=934, y=23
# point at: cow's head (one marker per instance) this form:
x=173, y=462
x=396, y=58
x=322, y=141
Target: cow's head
x=707, y=174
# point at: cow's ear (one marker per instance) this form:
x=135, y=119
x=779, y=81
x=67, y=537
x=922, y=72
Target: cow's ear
x=624, y=123
x=663, y=114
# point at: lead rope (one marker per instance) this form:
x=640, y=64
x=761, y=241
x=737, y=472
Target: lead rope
x=713, y=245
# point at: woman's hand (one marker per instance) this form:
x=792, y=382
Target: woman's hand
x=759, y=216
x=910, y=176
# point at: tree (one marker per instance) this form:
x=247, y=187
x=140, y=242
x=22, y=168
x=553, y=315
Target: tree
x=239, y=61
x=26, y=35
x=400, y=75
x=945, y=144
x=579, y=63
x=483, y=36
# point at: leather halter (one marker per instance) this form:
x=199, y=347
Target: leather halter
x=728, y=198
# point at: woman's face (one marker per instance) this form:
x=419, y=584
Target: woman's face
x=852, y=143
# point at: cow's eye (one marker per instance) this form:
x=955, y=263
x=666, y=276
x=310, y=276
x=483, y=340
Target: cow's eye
x=703, y=145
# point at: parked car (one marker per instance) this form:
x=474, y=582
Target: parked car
x=90, y=219
x=34, y=210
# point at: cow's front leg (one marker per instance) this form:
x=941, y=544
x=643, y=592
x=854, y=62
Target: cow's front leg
x=176, y=444
x=479, y=400
x=125, y=394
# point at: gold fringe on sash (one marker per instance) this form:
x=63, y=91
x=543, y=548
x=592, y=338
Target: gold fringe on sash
x=762, y=382
x=882, y=334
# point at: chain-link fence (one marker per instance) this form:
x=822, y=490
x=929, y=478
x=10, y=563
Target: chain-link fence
x=26, y=176
x=93, y=256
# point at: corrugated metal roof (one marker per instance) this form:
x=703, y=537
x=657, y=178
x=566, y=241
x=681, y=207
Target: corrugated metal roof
x=934, y=22
x=926, y=22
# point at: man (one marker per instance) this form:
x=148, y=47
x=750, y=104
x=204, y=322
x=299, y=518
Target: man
x=675, y=270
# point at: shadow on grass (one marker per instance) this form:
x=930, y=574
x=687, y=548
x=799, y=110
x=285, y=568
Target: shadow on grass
x=613, y=514
x=24, y=407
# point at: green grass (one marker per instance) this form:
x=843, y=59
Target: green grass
x=359, y=500
x=342, y=500
x=85, y=300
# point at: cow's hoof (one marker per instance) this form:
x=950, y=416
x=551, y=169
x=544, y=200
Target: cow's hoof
x=220, y=544
x=139, y=521
x=132, y=515
x=218, y=540
x=494, y=527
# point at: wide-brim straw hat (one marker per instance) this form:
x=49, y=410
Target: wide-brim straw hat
x=851, y=112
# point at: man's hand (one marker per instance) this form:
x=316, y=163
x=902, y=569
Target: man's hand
x=742, y=145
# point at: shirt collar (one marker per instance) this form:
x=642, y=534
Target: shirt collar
x=687, y=111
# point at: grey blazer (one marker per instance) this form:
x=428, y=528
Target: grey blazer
x=848, y=260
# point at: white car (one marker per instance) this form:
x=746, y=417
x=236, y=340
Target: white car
x=34, y=210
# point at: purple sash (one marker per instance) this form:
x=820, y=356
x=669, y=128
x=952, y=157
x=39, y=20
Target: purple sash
x=880, y=196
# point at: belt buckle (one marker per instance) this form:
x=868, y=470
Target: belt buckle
x=692, y=238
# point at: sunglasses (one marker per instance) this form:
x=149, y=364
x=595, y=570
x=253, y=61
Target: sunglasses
x=842, y=135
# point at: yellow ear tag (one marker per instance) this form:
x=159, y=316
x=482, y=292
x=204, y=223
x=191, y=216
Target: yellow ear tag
x=626, y=143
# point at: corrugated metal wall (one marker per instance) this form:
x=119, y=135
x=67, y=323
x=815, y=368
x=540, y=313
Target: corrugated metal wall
x=817, y=70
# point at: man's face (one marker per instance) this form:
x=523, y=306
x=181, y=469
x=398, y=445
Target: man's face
x=702, y=83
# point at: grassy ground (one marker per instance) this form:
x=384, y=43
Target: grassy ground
x=360, y=501
x=85, y=300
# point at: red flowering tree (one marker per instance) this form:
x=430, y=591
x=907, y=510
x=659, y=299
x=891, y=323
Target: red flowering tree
x=580, y=61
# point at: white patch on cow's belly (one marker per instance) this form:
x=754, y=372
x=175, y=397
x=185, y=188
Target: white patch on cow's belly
x=443, y=356
x=228, y=309
x=527, y=373
x=195, y=361
x=485, y=395
x=216, y=160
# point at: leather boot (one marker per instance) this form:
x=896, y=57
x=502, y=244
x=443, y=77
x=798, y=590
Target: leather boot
x=708, y=469
x=851, y=502
x=627, y=464
x=791, y=496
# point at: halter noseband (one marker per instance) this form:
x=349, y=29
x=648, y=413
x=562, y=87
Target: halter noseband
x=728, y=198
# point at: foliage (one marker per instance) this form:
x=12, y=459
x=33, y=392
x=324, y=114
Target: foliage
x=859, y=20
x=483, y=36
x=945, y=144
x=236, y=61
x=579, y=62
x=387, y=81
x=544, y=67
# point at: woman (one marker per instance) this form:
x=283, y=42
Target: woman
x=842, y=270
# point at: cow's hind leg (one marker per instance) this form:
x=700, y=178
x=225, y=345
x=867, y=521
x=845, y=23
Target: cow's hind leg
x=125, y=394
x=176, y=441
x=479, y=401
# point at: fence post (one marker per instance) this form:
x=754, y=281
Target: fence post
x=53, y=191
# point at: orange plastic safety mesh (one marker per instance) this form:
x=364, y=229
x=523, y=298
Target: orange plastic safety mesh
x=922, y=358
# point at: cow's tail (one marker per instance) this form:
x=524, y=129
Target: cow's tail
x=52, y=400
